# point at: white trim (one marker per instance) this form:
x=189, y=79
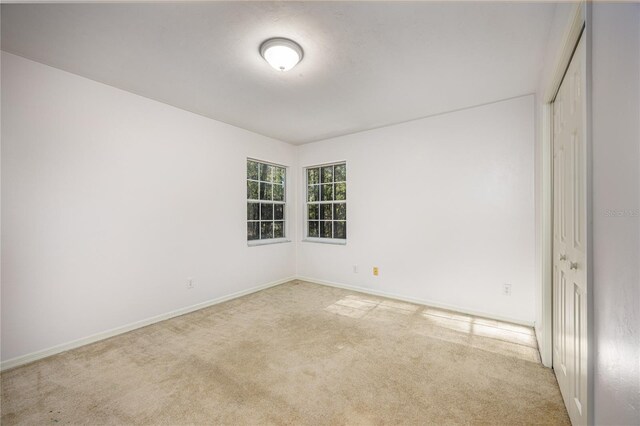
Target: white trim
x=570, y=40
x=271, y=163
x=34, y=356
x=417, y=301
x=334, y=241
x=538, y=338
x=544, y=334
x=254, y=243
x=330, y=163
x=588, y=9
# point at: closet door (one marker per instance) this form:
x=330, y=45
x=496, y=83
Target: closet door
x=569, y=239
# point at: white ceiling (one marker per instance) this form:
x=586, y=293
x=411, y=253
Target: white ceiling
x=366, y=65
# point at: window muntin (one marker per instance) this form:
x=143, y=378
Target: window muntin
x=326, y=213
x=266, y=200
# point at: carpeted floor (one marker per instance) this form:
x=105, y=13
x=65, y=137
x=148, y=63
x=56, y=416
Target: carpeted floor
x=297, y=353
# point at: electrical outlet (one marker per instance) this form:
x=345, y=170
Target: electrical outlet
x=355, y=269
x=506, y=289
x=189, y=283
x=375, y=271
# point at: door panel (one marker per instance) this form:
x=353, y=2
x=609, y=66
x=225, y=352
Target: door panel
x=569, y=239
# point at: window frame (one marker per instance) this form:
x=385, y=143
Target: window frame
x=305, y=233
x=284, y=203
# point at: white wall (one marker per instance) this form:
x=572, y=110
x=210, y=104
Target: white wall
x=111, y=200
x=444, y=206
x=615, y=54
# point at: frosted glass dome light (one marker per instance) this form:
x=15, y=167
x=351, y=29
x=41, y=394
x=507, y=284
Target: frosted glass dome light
x=281, y=53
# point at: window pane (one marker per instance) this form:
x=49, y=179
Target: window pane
x=325, y=211
x=340, y=173
x=266, y=211
x=253, y=230
x=313, y=193
x=278, y=229
x=253, y=211
x=313, y=229
x=278, y=211
x=265, y=172
x=266, y=230
x=327, y=192
x=278, y=192
x=252, y=170
x=325, y=229
x=341, y=191
x=313, y=211
x=312, y=176
x=265, y=191
x=326, y=218
x=327, y=174
x=339, y=229
x=279, y=175
x=265, y=218
x=252, y=190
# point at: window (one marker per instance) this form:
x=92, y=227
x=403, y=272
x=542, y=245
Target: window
x=327, y=202
x=265, y=201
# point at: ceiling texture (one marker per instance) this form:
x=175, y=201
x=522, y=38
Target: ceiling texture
x=366, y=65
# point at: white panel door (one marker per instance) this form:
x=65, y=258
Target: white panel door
x=569, y=238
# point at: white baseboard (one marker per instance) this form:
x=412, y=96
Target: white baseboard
x=416, y=301
x=545, y=357
x=34, y=356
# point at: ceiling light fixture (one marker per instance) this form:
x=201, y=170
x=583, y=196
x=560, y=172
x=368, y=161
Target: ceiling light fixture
x=281, y=53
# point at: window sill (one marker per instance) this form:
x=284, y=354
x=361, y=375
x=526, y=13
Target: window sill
x=333, y=241
x=254, y=243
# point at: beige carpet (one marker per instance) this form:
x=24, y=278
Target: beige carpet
x=297, y=353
